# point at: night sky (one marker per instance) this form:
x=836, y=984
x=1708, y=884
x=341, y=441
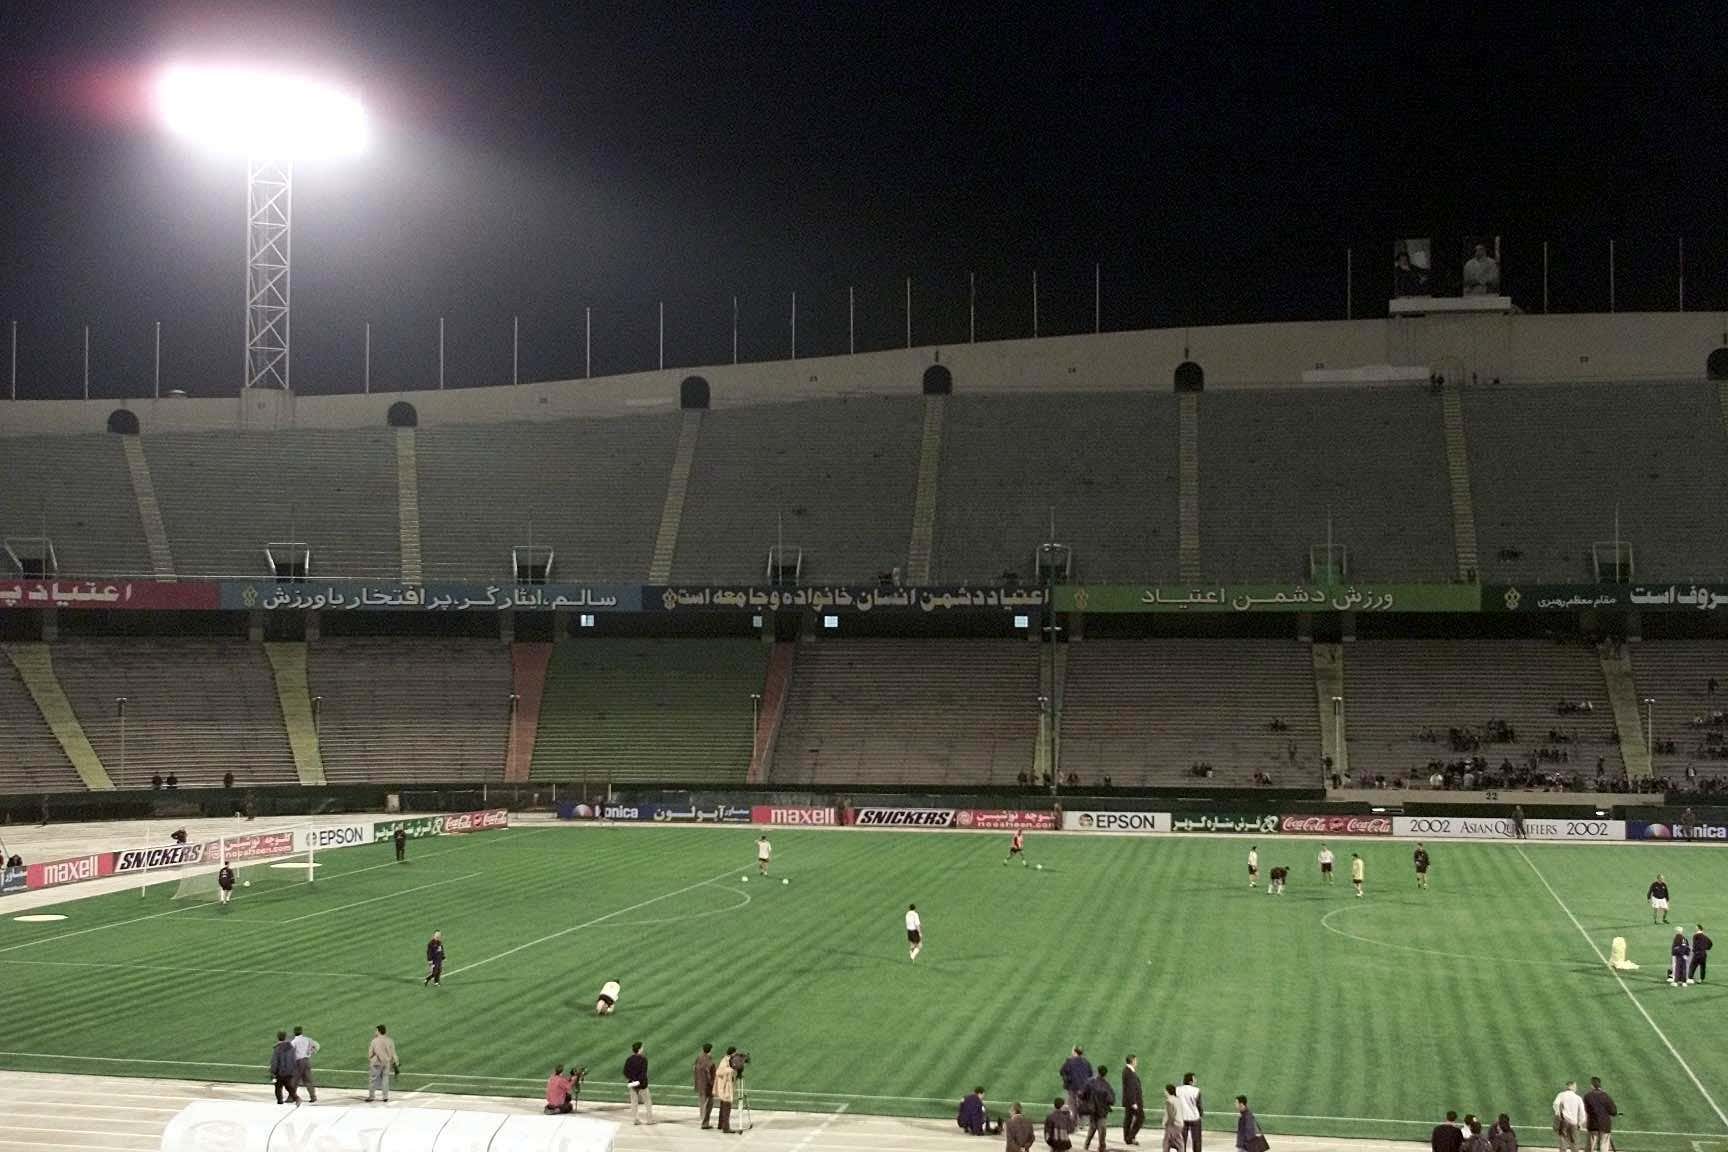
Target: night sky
x=1215, y=160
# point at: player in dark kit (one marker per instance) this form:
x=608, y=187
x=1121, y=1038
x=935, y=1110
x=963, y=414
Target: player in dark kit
x=1658, y=899
x=400, y=839
x=1275, y=886
x=1681, y=950
x=225, y=884
x=1421, y=858
x=1701, y=945
x=435, y=960
x=1017, y=847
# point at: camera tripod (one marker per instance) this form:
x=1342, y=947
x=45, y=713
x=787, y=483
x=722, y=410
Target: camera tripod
x=745, y=1120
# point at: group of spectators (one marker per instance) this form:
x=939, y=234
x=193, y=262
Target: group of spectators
x=291, y=1067
x=716, y=1082
x=1088, y=1095
x=1590, y=1116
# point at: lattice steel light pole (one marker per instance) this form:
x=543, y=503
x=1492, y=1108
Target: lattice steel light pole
x=272, y=119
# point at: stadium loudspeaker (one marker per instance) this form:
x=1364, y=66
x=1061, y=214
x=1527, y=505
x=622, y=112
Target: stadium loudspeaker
x=1190, y=377
x=1716, y=367
x=123, y=422
x=938, y=381
x=693, y=393
x=402, y=415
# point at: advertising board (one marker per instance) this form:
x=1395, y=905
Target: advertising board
x=1222, y=822
x=1335, y=825
x=1007, y=819
x=794, y=816
x=902, y=817
x=171, y=856
x=1501, y=828
x=1143, y=823
x=1701, y=832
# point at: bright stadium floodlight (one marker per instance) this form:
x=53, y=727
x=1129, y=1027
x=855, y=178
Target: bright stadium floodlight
x=273, y=119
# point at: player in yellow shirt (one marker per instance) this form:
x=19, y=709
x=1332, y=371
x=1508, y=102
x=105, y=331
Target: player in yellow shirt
x=1356, y=872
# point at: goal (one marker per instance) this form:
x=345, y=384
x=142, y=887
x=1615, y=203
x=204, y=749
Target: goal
x=273, y=859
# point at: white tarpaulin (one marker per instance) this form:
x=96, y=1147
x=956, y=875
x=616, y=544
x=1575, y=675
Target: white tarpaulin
x=229, y=1126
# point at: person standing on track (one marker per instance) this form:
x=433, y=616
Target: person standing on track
x=703, y=1072
x=1568, y=1117
x=726, y=1089
x=1658, y=895
x=1253, y=865
x=400, y=839
x=1017, y=847
x=1173, y=1132
x=1193, y=1108
x=304, y=1049
x=1075, y=1071
x=914, y=931
x=1059, y=1126
x=1100, y=1099
x=1599, y=1113
x=1421, y=859
x=636, y=1076
x=282, y=1070
x=1326, y=861
x=1017, y=1135
x=764, y=853
x=381, y=1065
x=1133, y=1102
x=435, y=960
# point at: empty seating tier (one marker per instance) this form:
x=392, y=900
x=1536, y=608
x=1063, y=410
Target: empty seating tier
x=76, y=491
x=1159, y=712
x=410, y=709
x=649, y=711
x=836, y=478
x=31, y=759
x=1551, y=465
x=225, y=495
x=1688, y=718
x=1103, y=464
x=1275, y=467
x=1403, y=698
x=910, y=712
x=194, y=708
x=591, y=490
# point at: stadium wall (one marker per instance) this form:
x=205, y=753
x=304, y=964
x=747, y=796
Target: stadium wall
x=1589, y=347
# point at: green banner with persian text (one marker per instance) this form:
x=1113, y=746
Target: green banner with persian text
x=1269, y=598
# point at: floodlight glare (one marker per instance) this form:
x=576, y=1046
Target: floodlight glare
x=273, y=119
x=264, y=115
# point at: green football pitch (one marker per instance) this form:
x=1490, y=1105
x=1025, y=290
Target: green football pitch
x=1336, y=1016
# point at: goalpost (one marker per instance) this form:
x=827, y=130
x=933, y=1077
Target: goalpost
x=287, y=855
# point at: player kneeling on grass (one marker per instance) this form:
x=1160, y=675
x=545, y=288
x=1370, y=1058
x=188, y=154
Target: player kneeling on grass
x=1275, y=881
x=607, y=1002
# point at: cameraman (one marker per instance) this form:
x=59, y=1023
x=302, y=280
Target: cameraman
x=726, y=1085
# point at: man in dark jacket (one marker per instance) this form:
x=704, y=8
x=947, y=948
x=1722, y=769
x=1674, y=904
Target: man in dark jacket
x=1059, y=1126
x=1447, y=1137
x=1599, y=1113
x=1133, y=1101
x=1076, y=1071
x=282, y=1070
x=636, y=1079
x=1701, y=945
x=704, y=1074
x=1100, y=1098
x=973, y=1118
x=1017, y=1132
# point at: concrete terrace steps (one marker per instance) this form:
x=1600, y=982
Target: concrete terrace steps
x=1188, y=486
x=924, y=504
x=677, y=489
x=1628, y=717
x=34, y=747
x=408, y=504
x=1458, y=476
x=149, y=511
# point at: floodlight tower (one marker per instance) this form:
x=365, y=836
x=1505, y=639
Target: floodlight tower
x=272, y=119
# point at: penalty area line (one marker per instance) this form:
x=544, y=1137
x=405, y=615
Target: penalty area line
x=1618, y=979
x=562, y=932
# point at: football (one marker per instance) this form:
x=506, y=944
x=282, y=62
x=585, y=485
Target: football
x=245, y=883
x=784, y=880
x=746, y=879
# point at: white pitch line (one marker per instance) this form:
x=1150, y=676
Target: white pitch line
x=190, y=971
x=810, y=1137
x=562, y=932
x=376, y=899
x=1618, y=979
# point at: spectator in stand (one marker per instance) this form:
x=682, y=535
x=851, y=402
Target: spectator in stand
x=1408, y=280
x=1501, y=1137
x=1599, y=1113
x=1059, y=1126
x=1447, y=1137
x=1569, y=1117
x=156, y=781
x=173, y=781
x=227, y=779
x=1017, y=1133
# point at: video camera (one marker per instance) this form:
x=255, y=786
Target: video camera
x=738, y=1060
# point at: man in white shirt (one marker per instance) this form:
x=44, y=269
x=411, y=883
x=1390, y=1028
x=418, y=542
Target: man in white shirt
x=764, y=851
x=1481, y=273
x=304, y=1048
x=1253, y=866
x=914, y=931
x=1190, y=1108
x=1568, y=1117
x=1326, y=862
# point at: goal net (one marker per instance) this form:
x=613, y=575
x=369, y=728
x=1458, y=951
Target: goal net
x=285, y=856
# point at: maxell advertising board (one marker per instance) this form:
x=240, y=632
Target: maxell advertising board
x=1500, y=828
x=139, y=859
x=70, y=871
x=1137, y=822
x=795, y=817
x=1704, y=833
x=903, y=817
x=1005, y=819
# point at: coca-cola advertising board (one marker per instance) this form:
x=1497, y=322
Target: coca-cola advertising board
x=1335, y=825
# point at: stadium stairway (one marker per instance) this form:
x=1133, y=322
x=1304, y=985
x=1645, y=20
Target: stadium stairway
x=528, y=663
x=149, y=511
x=408, y=504
x=1458, y=473
x=924, y=503
x=677, y=487
x=1623, y=698
x=288, y=666
x=1188, y=482
x=35, y=665
x=1328, y=686
x=775, y=687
